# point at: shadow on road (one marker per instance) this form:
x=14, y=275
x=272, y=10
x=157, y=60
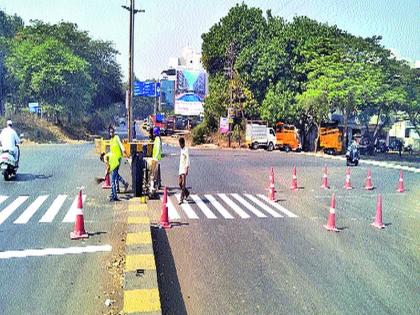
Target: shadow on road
x=22, y=177
x=171, y=298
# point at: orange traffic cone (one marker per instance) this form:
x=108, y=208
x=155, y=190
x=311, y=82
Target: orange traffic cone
x=79, y=225
x=294, y=180
x=325, y=179
x=271, y=188
x=164, y=218
x=347, y=184
x=107, y=182
x=400, y=187
x=330, y=226
x=368, y=181
x=378, y=219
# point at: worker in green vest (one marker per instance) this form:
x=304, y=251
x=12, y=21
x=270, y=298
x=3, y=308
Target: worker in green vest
x=117, y=151
x=155, y=181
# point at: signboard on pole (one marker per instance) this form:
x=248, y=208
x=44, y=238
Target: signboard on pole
x=224, y=125
x=148, y=89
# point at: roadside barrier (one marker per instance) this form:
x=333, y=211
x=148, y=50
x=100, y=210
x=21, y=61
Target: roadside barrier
x=325, y=179
x=378, y=218
x=164, y=218
x=271, y=187
x=294, y=179
x=347, y=184
x=330, y=226
x=400, y=187
x=79, y=225
x=368, y=181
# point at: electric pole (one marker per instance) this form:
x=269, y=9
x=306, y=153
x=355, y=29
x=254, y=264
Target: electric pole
x=129, y=99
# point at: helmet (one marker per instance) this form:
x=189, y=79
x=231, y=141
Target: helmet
x=9, y=123
x=156, y=131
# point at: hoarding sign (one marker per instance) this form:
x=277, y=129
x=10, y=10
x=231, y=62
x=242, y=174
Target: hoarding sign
x=224, y=125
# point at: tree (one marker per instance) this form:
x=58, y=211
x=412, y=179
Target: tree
x=51, y=74
x=241, y=28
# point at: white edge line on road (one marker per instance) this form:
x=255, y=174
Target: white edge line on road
x=54, y=251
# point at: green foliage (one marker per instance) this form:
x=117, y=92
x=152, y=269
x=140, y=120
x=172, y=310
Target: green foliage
x=301, y=71
x=199, y=134
x=240, y=28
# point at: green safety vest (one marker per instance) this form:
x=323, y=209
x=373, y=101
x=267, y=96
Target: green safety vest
x=113, y=161
x=114, y=147
x=157, y=149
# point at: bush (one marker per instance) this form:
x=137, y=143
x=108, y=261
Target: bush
x=199, y=134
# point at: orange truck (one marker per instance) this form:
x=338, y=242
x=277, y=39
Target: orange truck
x=287, y=137
x=330, y=140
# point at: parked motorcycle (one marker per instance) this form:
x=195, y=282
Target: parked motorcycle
x=8, y=164
x=352, y=156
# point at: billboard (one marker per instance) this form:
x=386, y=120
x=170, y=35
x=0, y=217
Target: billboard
x=191, y=89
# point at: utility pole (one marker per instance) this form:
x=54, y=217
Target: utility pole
x=129, y=99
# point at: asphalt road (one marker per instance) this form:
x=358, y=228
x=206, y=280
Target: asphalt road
x=57, y=284
x=287, y=265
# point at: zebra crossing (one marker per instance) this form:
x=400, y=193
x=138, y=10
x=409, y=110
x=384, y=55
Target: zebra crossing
x=27, y=210
x=225, y=206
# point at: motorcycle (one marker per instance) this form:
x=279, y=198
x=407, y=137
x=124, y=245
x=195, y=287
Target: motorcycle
x=8, y=164
x=352, y=156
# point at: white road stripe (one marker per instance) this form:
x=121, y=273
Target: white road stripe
x=200, y=203
x=219, y=207
x=234, y=207
x=263, y=206
x=53, y=210
x=3, y=198
x=250, y=207
x=172, y=213
x=30, y=211
x=54, y=251
x=71, y=214
x=7, y=212
x=279, y=207
x=187, y=208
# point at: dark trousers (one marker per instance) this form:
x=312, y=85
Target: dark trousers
x=183, y=185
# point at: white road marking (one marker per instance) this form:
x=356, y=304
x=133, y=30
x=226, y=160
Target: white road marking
x=172, y=213
x=3, y=198
x=71, y=214
x=54, y=251
x=279, y=207
x=187, y=208
x=203, y=207
x=53, y=210
x=7, y=212
x=250, y=207
x=234, y=206
x=30, y=211
x=264, y=206
x=219, y=207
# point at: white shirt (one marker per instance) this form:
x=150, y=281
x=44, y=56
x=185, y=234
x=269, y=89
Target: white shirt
x=9, y=138
x=184, y=161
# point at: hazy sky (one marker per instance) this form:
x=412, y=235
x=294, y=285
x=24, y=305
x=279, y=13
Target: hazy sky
x=169, y=25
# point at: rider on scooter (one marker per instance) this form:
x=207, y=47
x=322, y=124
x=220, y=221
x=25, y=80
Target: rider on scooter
x=9, y=140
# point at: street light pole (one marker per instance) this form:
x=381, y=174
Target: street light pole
x=129, y=99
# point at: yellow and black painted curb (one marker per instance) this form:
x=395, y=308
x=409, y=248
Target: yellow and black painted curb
x=141, y=293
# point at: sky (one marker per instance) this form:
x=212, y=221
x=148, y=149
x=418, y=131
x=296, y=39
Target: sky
x=169, y=25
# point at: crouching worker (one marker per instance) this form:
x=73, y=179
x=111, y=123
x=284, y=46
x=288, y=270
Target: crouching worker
x=156, y=157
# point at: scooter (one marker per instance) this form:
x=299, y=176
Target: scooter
x=352, y=156
x=8, y=164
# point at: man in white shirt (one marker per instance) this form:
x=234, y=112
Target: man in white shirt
x=9, y=140
x=184, y=165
